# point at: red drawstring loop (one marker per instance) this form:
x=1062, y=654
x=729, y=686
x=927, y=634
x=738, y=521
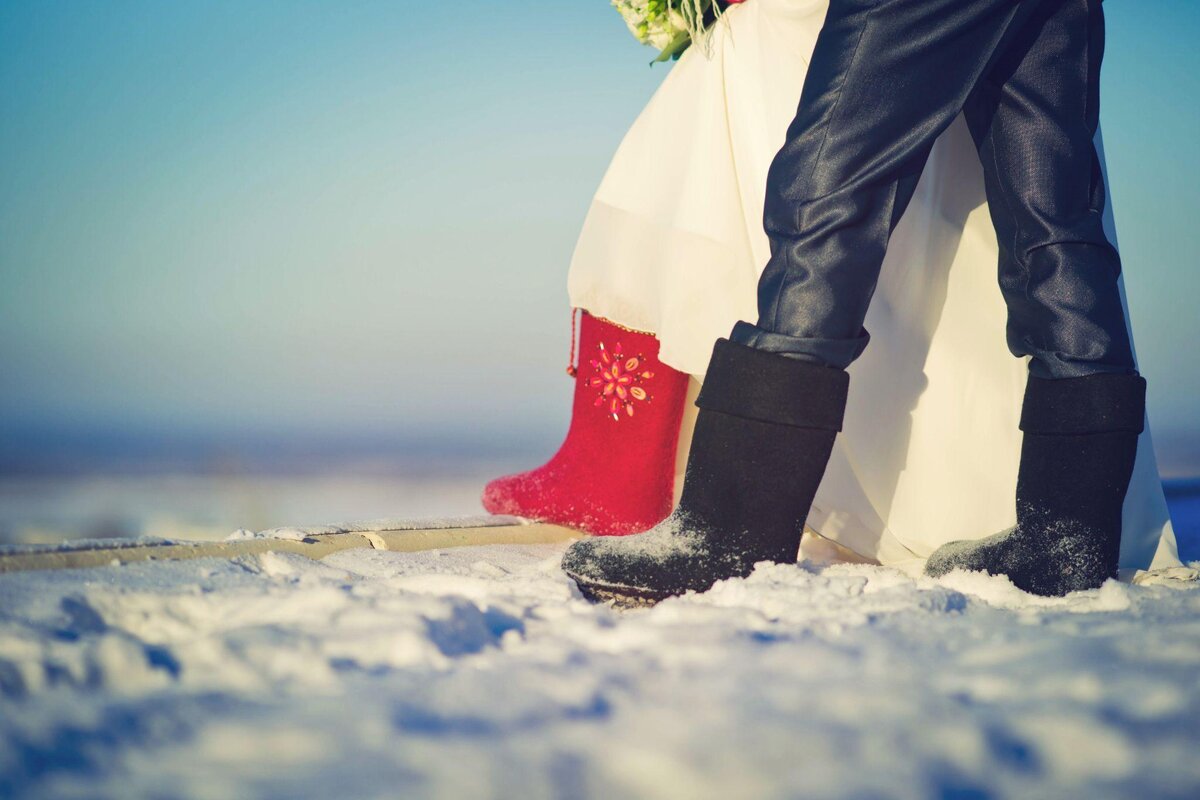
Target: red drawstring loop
x=571, y=370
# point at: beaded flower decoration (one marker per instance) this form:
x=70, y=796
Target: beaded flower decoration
x=618, y=382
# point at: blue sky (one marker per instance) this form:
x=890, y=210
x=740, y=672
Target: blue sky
x=354, y=218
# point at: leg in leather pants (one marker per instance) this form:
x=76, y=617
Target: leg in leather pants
x=889, y=76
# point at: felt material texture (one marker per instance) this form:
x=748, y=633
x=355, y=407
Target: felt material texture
x=1070, y=491
x=1095, y=404
x=747, y=490
x=760, y=385
x=614, y=474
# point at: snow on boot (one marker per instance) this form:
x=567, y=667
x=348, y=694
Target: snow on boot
x=1077, y=457
x=615, y=472
x=763, y=437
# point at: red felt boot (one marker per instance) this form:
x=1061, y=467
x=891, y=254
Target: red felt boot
x=615, y=472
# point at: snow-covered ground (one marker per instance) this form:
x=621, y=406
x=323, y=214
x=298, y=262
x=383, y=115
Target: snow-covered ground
x=479, y=672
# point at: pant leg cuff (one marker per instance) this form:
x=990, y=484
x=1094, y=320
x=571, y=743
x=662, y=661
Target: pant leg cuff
x=838, y=353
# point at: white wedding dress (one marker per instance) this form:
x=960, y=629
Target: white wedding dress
x=673, y=244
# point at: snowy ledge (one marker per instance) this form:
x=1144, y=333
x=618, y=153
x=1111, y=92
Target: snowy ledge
x=84, y=544
x=379, y=525
x=316, y=542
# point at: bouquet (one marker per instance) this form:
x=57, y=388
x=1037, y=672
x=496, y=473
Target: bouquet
x=671, y=25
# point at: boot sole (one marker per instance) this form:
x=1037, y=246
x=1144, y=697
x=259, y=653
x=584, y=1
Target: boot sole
x=621, y=597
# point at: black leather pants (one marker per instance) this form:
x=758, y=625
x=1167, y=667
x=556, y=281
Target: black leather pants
x=886, y=79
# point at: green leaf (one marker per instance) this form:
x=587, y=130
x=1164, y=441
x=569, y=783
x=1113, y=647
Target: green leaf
x=675, y=48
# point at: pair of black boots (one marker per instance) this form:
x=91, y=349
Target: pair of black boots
x=763, y=437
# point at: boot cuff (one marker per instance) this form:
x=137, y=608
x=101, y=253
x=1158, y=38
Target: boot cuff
x=745, y=382
x=1092, y=404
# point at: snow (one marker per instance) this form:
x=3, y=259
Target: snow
x=181, y=506
x=480, y=672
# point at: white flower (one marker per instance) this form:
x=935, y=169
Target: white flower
x=652, y=22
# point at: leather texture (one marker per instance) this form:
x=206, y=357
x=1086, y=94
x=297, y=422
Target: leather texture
x=887, y=77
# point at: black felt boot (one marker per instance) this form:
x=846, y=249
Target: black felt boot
x=762, y=440
x=1080, y=442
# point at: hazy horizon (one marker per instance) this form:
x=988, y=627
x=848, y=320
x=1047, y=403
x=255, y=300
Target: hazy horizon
x=229, y=225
